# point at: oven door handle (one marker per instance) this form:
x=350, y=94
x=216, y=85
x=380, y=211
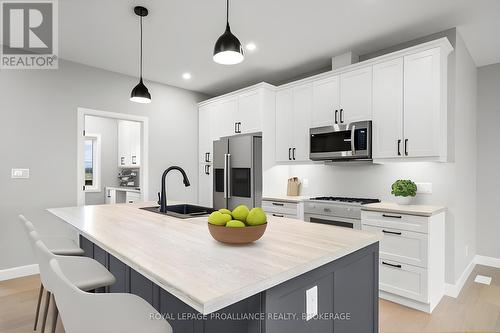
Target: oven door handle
x=228, y=189
x=353, y=146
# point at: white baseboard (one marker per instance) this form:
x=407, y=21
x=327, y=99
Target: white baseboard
x=453, y=290
x=17, y=272
x=487, y=261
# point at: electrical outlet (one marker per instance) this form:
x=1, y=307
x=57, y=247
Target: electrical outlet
x=20, y=173
x=424, y=188
x=312, y=302
x=305, y=182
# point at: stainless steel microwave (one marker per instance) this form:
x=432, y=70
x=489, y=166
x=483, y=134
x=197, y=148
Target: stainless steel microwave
x=351, y=141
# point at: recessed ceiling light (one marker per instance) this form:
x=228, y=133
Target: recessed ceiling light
x=186, y=76
x=251, y=47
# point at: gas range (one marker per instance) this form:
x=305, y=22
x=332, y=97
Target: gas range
x=337, y=211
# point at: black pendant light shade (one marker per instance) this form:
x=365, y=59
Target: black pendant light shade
x=228, y=49
x=140, y=93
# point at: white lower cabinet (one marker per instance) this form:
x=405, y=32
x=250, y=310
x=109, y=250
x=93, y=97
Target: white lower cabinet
x=411, y=267
x=205, y=185
x=278, y=208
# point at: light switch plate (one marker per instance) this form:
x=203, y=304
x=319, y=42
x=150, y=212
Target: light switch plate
x=312, y=302
x=20, y=173
x=424, y=188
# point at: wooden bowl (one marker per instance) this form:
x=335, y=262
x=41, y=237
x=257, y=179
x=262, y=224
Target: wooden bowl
x=244, y=235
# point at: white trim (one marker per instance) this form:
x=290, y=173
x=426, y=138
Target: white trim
x=144, y=163
x=96, y=159
x=17, y=272
x=487, y=261
x=453, y=290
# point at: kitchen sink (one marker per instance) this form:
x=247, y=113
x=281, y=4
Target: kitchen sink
x=182, y=211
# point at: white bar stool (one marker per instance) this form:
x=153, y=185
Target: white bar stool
x=83, y=312
x=85, y=273
x=58, y=245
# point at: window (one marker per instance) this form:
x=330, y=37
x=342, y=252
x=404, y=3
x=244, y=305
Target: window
x=92, y=156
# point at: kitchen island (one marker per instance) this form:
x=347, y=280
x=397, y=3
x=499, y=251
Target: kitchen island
x=201, y=285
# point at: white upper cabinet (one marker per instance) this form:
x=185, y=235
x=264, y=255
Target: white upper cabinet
x=129, y=143
x=249, y=117
x=224, y=116
x=284, y=124
x=422, y=104
x=388, y=109
x=293, y=120
x=240, y=113
x=326, y=100
x=205, y=142
x=355, y=95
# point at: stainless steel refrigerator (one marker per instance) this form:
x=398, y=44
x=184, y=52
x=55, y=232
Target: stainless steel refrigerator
x=237, y=172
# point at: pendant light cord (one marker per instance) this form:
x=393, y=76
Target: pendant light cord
x=141, y=47
x=227, y=11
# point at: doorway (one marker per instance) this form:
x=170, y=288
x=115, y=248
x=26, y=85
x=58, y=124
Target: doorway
x=112, y=157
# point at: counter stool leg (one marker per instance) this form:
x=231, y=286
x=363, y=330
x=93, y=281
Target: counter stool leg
x=46, y=310
x=40, y=294
x=56, y=313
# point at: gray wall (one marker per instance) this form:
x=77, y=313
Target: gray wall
x=488, y=175
x=454, y=184
x=38, y=131
x=108, y=129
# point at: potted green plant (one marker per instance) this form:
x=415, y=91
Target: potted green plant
x=404, y=190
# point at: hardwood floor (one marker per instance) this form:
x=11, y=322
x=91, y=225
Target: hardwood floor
x=477, y=309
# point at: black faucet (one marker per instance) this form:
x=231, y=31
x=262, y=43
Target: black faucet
x=163, y=196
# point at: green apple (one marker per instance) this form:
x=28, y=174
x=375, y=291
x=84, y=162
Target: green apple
x=240, y=213
x=225, y=211
x=217, y=218
x=235, y=224
x=256, y=216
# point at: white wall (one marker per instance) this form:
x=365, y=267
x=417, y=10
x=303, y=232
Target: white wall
x=38, y=131
x=108, y=129
x=488, y=175
x=454, y=184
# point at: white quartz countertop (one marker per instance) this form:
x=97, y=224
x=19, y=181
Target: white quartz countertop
x=285, y=198
x=182, y=258
x=391, y=207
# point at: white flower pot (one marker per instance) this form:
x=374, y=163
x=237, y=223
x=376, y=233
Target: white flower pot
x=403, y=200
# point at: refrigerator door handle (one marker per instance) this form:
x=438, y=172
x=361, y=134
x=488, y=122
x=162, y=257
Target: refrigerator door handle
x=228, y=173
x=225, y=176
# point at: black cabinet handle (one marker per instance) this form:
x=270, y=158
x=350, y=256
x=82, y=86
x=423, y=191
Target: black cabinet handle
x=239, y=127
x=392, y=265
x=391, y=232
x=278, y=204
x=207, y=157
x=278, y=215
x=406, y=147
x=392, y=216
x=293, y=154
x=207, y=169
x=122, y=160
x=341, y=116
x=399, y=147
x=336, y=116
x=134, y=159
x=289, y=154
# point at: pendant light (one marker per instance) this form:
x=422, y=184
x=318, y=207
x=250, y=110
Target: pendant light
x=228, y=49
x=140, y=93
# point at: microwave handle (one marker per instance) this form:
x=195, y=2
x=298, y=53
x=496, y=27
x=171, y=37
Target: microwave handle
x=353, y=146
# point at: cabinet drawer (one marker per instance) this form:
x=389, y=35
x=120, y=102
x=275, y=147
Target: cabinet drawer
x=395, y=221
x=288, y=216
x=403, y=280
x=402, y=246
x=280, y=207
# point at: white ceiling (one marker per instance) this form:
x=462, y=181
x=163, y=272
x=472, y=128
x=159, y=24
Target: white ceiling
x=293, y=37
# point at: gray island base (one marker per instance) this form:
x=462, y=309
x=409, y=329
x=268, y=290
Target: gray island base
x=347, y=291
